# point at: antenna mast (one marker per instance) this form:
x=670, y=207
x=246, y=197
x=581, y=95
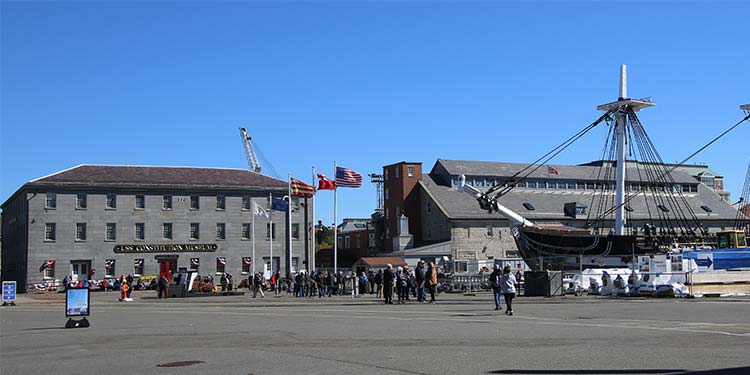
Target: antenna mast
x=247, y=144
x=377, y=180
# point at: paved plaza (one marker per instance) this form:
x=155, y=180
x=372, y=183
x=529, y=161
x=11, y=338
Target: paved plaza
x=458, y=335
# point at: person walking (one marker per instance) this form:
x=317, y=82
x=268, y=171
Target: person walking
x=371, y=281
x=258, y=285
x=277, y=291
x=129, y=279
x=388, y=284
x=289, y=278
x=402, y=285
x=379, y=283
x=224, y=281
x=330, y=278
x=342, y=283
x=495, y=283
x=431, y=280
x=161, y=286
x=419, y=275
x=508, y=287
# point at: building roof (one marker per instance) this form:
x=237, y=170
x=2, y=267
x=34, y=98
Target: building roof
x=382, y=261
x=148, y=175
x=548, y=204
x=353, y=225
x=126, y=176
x=566, y=172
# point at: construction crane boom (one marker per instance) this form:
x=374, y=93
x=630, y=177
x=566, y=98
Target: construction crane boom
x=247, y=144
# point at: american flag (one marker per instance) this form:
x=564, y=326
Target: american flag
x=195, y=262
x=46, y=264
x=109, y=264
x=247, y=260
x=552, y=170
x=138, y=262
x=221, y=260
x=348, y=178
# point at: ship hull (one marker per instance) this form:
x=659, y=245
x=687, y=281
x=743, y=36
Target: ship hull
x=571, y=249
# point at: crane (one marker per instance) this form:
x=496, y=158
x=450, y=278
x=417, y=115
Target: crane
x=247, y=143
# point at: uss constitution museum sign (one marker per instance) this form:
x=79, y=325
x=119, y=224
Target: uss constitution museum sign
x=177, y=248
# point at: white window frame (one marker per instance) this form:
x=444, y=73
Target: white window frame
x=221, y=202
x=142, y=227
x=167, y=228
x=142, y=199
x=195, y=202
x=51, y=198
x=221, y=234
x=49, y=272
x=50, y=232
x=166, y=202
x=110, y=272
x=195, y=231
x=110, y=202
x=110, y=234
x=138, y=271
x=81, y=232
x=246, y=233
x=410, y=170
x=81, y=201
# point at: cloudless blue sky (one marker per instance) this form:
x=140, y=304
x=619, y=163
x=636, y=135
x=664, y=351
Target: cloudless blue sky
x=365, y=84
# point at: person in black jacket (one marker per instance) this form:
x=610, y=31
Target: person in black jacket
x=495, y=282
x=419, y=274
x=388, y=285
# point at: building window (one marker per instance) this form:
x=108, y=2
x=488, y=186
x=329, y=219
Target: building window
x=221, y=231
x=461, y=266
x=49, y=271
x=410, y=171
x=295, y=202
x=358, y=242
x=580, y=210
x=246, y=231
x=429, y=207
x=167, y=202
x=140, y=202
x=111, y=232
x=385, y=172
x=221, y=202
x=51, y=201
x=387, y=213
x=81, y=201
x=166, y=231
x=246, y=202
x=195, y=231
x=490, y=231
x=111, y=201
x=708, y=179
x=707, y=209
x=80, y=231
x=195, y=202
x=295, y=264
x=140, y=231
x=138, y=267
x=50, y=232
x=387, y=232
x=247, y=262
x=347, y=243
x=221, y=264
x=109, y=268
x=398, y=212
x=271, y=230
x=396, y=172
x=295, y=231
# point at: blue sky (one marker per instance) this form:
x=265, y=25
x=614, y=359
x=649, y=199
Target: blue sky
x=365, y=84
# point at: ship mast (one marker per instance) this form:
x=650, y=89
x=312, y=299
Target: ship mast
x=620, y=107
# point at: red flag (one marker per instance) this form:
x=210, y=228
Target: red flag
x=552, y=170
x=324, y=183
x=301, y=189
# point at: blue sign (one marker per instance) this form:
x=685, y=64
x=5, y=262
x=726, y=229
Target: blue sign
x=9, y=291
x=704, y=262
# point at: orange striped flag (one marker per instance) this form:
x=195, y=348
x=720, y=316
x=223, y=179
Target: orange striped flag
x=300, y=188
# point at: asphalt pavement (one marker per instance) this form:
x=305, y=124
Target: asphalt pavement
x=457, y=335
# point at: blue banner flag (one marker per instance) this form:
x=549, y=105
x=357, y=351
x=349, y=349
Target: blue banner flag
x=279, y=204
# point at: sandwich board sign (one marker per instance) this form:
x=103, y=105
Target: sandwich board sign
x=9, y=293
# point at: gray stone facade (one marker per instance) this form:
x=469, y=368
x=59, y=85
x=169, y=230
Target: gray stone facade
x=27, y=243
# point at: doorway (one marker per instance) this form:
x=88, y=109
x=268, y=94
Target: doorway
x=79, y=269
x=167, y=267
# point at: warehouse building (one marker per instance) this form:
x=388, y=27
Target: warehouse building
x=96, y=221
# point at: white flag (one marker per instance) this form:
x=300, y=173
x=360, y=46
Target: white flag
x=260, y=211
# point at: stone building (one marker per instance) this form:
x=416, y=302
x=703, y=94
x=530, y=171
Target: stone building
x=451, y=224
x=94, y=221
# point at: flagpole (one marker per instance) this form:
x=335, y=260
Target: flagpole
x=335, y=227
x=270, y=232
x=252, y=238
x=312, y=213
x=288, y=263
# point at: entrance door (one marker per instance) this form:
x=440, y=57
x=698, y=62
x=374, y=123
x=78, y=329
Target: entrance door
x=167, y=267
x=80, y=269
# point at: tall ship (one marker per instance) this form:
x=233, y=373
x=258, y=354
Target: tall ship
x=632, y=176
